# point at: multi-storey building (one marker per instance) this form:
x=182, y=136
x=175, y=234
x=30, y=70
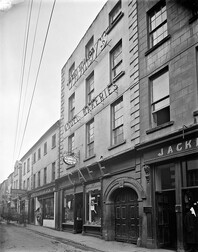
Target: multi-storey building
x=44, y=169
x=3, y=197
x=100, y=190
x=168, y=53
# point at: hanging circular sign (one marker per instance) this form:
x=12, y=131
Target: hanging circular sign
x=69, y=160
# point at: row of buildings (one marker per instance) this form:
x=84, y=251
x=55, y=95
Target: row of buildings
x=121, y=163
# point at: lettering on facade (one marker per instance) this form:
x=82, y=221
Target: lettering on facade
x=179, y=147
x=49, y=190
x=111, y=88
x=93, y=53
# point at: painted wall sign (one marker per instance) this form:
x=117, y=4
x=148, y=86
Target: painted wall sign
x=179, y=147
x=112, y=87
x=94, y=52
x=173, y=150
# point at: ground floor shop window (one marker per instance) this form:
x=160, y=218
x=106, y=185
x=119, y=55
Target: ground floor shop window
x=165, y=177
x=93, y=207
x=190, y=203
x=48, y=208
x=68, y=213
x=190, y=173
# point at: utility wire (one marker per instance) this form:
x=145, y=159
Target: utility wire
x=22, y=71
x=37, y=76
x=35, y=32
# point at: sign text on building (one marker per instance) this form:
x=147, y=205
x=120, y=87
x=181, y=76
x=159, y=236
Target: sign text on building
x=179, y=147
x=94, y=52
x=112, y=87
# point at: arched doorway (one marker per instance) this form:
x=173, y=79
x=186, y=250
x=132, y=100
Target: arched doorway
x=126, y=215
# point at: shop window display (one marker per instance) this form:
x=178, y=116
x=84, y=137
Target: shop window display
x=48, y=208
x=93, y=208
x=69, y=209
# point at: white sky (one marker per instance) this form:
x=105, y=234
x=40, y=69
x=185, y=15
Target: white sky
x=70, y=20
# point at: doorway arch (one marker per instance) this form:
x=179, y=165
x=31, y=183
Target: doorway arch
x=134, y=196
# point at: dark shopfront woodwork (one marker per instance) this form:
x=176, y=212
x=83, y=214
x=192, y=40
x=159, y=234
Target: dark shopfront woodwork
x=126, y=216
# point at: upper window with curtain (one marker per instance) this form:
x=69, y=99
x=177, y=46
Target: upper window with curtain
x=160, y=103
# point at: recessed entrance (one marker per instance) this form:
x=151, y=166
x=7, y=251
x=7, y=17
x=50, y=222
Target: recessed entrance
x=126, y=215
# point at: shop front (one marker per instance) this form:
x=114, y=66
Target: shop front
x=172, y=167
x=80, y=201
x=42, y=204
x=105, y=200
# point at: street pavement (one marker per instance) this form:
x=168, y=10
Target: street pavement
x=91, y=243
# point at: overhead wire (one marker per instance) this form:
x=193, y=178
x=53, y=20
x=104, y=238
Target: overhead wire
x=22, y=72
x=31, y=57
x=37, y=75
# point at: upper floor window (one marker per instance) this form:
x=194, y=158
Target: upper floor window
x=53, y=171
x=71, y=143
x=113, y=15
x=89, y=50
x=28, y=165
x=71, y=106
x=160, y=104
x=117, y=122
x=34, y=157
x=39, y=153
x=24, y=184
x=90, y=139
x=90, y=87
x=39, y=179
x=45, y=176
x=45, y=148
x=116, y=60
x=157, y=23
x=34, y=181
x=54, y=141
x=28, y=184
x=24, y=168
x=71, y=72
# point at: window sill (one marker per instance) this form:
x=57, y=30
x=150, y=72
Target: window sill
x=92, y=225
x=88, y=158
x=112, y=25
x=116, y=145
x=117, y=77
x=158, y=45
x=53, y=146
x=165, y=125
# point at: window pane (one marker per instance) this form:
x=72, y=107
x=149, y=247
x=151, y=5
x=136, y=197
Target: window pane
x=165, y=177
x=190, y=173
x=93, y=208
x=90, y=139
x=114, y=13
x=68, y=213
x=116, y=60
x=48, y=209
x=160, y=87
x=158, y=31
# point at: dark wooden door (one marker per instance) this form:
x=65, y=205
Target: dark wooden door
x=126, y=216
x=166, y=219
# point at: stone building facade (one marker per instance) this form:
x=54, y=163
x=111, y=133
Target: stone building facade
x=100, y=190
x=168, y=51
